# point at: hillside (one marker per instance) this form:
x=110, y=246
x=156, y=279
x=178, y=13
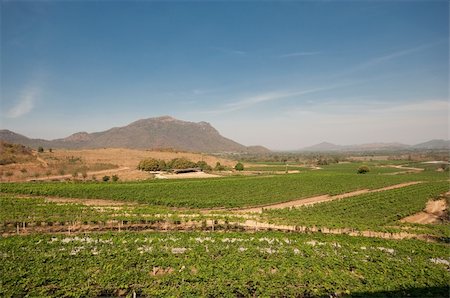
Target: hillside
x=152, y=133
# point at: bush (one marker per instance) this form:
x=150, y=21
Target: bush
x=219, y=167
x=151, y=164
x=115, y=178
x=239, y=167
x=181, y=163
x=105, y=178
x=40, y=149
x=204, y=166
x=363, y=169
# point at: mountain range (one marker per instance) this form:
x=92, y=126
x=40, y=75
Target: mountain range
x=153, y=133
x=436, y=144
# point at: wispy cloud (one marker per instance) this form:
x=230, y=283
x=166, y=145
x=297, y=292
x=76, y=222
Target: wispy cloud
x=272, y=96
x=387, y=57
x=297, y=54
x=229, y=51
x=26, y=102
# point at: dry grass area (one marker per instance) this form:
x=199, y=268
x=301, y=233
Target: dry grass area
x=68, y=164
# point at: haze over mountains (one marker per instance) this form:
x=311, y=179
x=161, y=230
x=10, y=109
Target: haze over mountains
x=152, y=133
x=167, y=132
x=430, y=145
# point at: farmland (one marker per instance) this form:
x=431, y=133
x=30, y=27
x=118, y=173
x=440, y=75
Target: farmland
x=220, y=264
x=86, y=234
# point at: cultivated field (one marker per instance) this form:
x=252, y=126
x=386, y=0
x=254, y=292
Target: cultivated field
x=316, y=232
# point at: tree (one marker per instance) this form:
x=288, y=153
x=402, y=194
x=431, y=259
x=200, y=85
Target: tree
x=363, y=170
x=181, y=163
x=105, y=178
x=152, y=164
x=204, y=166
x=115, y=178
x=219, y=167
x=239, y=166
x=40, y=149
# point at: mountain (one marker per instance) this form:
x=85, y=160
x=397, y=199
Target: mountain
x=324, y=146
x=433, y=144
x=152, y=133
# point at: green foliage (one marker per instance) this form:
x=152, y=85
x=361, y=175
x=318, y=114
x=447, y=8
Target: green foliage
x=115, y=178
x=105, y=178
x=363, y=170
x=228, y=264
x=367, y=211
x=152, y=164
x=219, y=167
x=40, y=149
x=181, y=163
x=204, y=166
x=224, y=192
x=239, y=167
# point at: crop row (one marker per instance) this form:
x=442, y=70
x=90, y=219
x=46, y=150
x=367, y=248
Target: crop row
x=222, y=192
x=366, y=211
x=219, y=264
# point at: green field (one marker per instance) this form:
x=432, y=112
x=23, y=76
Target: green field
x=220, y=265
x=55, y=249
x=223, y=192
x=374, y=211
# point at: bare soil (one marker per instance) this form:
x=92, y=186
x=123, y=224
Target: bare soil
x=433, y=213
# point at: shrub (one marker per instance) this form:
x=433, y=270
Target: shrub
x=40, y=149
x=219, y=167
x=204, y=166
x=181, y=163
x=239, y=167
x=363, y=170
x=105, y=178
x=151, y=164
x=115, y=178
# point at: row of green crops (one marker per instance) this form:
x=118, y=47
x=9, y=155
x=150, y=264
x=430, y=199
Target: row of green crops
x=368, y=211
x=221, y=192
x=220, y=265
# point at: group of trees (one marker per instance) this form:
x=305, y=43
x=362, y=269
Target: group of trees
x=152, y=164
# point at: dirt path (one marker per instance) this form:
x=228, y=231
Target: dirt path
x=88, y=202
x=432, y=213
x=322, y=198
x=207, y=225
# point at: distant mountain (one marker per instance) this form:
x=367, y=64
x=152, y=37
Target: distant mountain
x=325, y=146
x=152, y=133
x=433, y=144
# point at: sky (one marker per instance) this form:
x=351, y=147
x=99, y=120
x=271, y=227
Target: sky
x=282, y=74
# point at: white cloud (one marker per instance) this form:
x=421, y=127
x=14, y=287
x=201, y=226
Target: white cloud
x=25, y=104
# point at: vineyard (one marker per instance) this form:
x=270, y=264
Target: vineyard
x=86, y=239
x=220, y=264
x=228, y=192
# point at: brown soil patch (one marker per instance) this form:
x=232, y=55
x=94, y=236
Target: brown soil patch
x=433, y=213
x=185, y=175
x=323, y=198
x=87, y=202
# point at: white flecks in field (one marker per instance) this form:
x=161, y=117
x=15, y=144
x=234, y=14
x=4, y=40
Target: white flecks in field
x=440, y=261
x=179, y=250
x=314, y=243
x=242, y=249
x=144, y=249
x=388, y=250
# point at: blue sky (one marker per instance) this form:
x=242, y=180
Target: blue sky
x=283, y=74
